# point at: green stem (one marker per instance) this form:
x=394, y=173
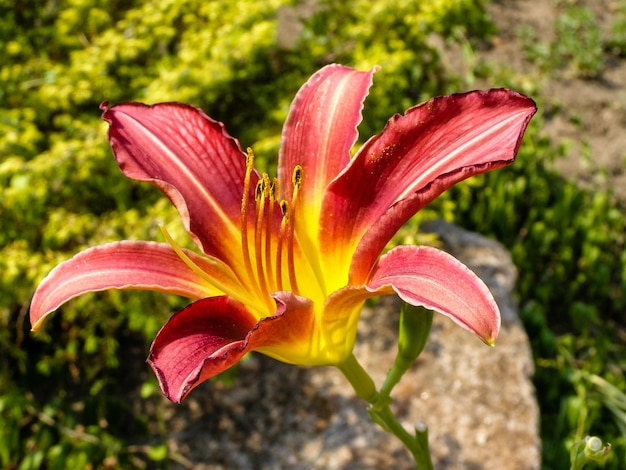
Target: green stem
x=413, y=331
x=380, y=412
x=360, y=380
x=417, y=445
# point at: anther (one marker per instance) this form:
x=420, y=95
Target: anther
x=284, y=205
x=296, y=177
x=268, y=195
x=244, y=216
x=259, y=191
x=273, y=189
x=267, y=187
x=249, y=157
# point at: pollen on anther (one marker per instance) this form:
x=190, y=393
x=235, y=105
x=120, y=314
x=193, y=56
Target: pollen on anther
x=260, y=189
x=296, y=177
x=249, y=156
x=284, y=206
x=267, y=185
x=274, y=189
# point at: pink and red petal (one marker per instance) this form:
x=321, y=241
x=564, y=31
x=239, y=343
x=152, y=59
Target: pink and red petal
x=211, y=335
x=193, y=160
x=339, y=320
x=120, y=265
x=199, y=342
x=319, y=133
x=428, y=277
x=291, y=335
x=417, y=157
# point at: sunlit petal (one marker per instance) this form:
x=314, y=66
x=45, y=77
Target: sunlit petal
x=119, y=265
x=291, y=335
x=192, y=159
x=319, y=132
x=212, y=334
x=428, y=277
x=340, y=317
x=199, y=342
x=322, y=128
x=417, y=157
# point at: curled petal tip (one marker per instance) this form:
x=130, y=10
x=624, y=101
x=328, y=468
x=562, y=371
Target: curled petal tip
x=489, y=333
x=428, y=277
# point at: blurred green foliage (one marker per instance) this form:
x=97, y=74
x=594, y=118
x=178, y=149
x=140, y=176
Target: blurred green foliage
x=67, y=400
x=569, y=245
x=616, y=43
x=579, y=47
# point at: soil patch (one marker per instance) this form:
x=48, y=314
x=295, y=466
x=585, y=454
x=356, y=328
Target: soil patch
x=587, y=114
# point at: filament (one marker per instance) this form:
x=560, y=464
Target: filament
x=258, y=235
x=296, y=179
x=221, y=286
x=279, y=245
x=244, y=215
x=269, y=230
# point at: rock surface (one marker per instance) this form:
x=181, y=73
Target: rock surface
x=478, y=402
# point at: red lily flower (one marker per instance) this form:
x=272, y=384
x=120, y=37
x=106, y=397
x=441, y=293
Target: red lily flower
x=287, y=264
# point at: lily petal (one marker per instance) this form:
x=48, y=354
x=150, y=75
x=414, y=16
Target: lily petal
x=120, y=265
x=340, y=318
x=192, y=159
x=431, y=278
x=320, y=130
x=199, y=342
x=417, y=157
x=210, y=335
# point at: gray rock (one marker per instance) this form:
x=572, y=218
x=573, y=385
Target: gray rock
x=478, y=402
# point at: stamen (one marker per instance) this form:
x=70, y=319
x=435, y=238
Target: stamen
x=265, y=271
x=235, y=294
x=258, y=232
x=274, y=189
x=259, y=190
x=296, y=179
x=284, y=207
x=269, y=227
x=244, y=216
x=290, y=259
x=279, y=247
